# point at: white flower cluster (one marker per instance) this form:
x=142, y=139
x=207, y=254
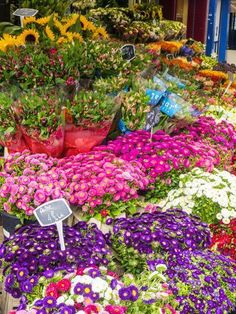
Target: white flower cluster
x=220, y=113
x=218, y=186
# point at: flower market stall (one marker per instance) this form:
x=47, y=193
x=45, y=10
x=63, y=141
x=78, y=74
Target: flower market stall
x=132, y=128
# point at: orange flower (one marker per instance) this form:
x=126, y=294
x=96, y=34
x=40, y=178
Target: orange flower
x=213, y=74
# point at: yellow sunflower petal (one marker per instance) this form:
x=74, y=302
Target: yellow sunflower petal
x=49, y=33
x=43, y=20
x=29, y=20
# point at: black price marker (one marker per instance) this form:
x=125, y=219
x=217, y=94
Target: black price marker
x=128, y=52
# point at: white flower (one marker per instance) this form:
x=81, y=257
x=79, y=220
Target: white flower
x=61, y=299
x=79, y=299
x=226, y=221
x=108, y=294
x=82, y=279
x=81, y=312
x=225, y=213
x=219, y=216
x=99, y=285
x=69, y=302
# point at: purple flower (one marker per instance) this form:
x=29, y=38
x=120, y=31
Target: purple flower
x=42, y=311
x=125, y=294
x=67, y=310
x=113, y=284
x=22, y=273
x=93, y=272
x=10, y=280
x=134, y=293
x=78, y=289
x=49, y=302
x=26, y=286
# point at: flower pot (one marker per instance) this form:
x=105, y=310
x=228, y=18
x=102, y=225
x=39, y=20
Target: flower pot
x=10, y=222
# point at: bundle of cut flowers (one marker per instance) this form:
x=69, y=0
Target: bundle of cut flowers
x=222, y=133
x=164, y=157
x=202, y=281
x=211, y=196
x=224, y=238
x=41, y=120
x=34, y=251
x=143, y=237
x=10, y=134
x=102, y=184
x=89, y=118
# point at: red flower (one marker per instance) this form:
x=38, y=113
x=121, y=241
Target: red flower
x=112, y=274
x=64, y=285
x=80, y=271
x=52, y=291
x=115, y=309
x=53, y=51
x=104, y=213
x=79, y=306
x=91, y=308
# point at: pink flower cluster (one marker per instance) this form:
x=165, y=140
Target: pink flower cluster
x=91, y=180
x=164, y=153
x=99, y=178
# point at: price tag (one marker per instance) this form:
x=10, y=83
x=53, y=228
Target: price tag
x=169, y=107
x=24, y=12
x=53, y=213
x=128, y=52
x=152, y=119
x=154, y=96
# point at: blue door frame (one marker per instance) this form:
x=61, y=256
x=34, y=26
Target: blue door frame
x=224, y=25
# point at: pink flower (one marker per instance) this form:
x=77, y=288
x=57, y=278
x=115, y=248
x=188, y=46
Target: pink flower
x=39, y=196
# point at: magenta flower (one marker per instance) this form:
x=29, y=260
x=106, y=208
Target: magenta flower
x=39, y=196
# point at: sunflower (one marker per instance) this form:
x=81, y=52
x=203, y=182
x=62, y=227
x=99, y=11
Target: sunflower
x=29, y=35
x=60, y=26
x=70, y=36
x=29, y=20
x=43, y=20
x=100, y=31
x=49, y=33
x=62, y=40
x=77, y=36
x=3, y=45
x=86, y=24
x=71, y=21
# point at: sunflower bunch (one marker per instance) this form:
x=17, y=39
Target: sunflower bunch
x=53, y=30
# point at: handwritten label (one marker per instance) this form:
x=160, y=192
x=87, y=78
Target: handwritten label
x=231, y=80
x=53, y=213
x=153, y=117
x=128, y=52
x=169, y=107
x=154, y=96
x=25, y=12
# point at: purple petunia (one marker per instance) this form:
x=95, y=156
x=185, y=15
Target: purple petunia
x=125, y=294
x=49, y=302
x=22, y=274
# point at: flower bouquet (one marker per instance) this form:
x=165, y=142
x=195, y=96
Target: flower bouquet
x=140, y=238
x=40, y=117
x=223, y=239
x=203, y=282
x=88, y=121
x=34, y=251
x=10, y=133
x=211, y=196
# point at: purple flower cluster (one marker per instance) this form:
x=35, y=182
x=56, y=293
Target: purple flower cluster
x=92, y=180
x=203, y=282
x=33, y=251
x=147, y=235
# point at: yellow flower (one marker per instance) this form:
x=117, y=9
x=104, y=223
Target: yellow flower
x=71, y=21
x=77, y=36
x=69, y=36
x=29, y=35
x=29, y=20
x=43, y=20
x=60, y=26
x=86, y=24
x=49, y=33
x=3, y=45
x=62, y=40
x=100, y=31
